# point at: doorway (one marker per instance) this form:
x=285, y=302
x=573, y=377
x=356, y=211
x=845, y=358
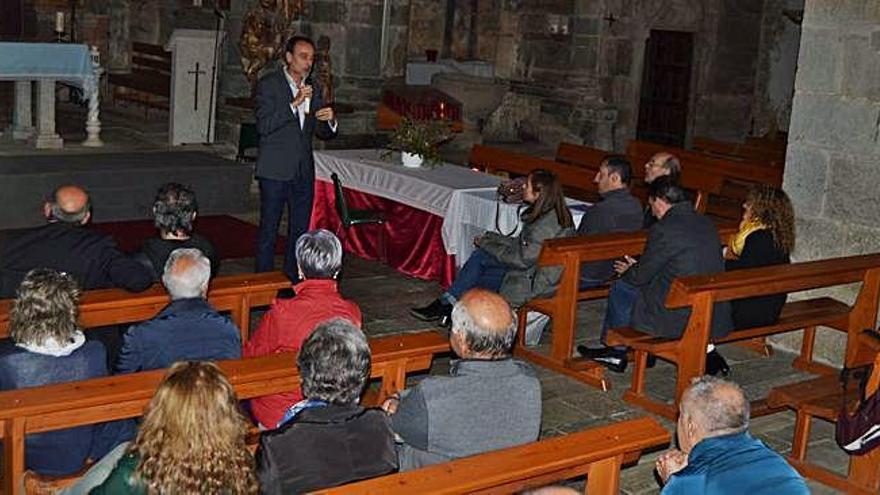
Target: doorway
x=10, y=20
x=666, y=77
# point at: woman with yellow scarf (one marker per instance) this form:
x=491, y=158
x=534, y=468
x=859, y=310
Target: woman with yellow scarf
x=765, y=237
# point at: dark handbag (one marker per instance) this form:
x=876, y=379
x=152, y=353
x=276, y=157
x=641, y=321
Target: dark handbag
x=511, y=191
x=859, y=433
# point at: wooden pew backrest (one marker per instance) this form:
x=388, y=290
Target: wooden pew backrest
x=596, y=452
x=580, y=155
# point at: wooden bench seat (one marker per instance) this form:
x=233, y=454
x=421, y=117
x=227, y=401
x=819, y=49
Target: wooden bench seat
x=702, y=291
x=597, y=452
x=774, y=157
x=149, y=82
x=236, y=294
x=561, y=307
x=65, y=405
x=822, y=398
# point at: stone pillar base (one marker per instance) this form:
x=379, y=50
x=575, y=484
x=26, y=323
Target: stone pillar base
x=48, y=141
x=21, y=133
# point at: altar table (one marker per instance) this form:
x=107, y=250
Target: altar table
x=46, y=63
x=432, y=214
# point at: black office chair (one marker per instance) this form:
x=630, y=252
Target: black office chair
x=248, y=138
x=352, y=218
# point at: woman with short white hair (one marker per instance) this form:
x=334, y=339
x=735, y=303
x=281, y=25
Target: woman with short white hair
x=290, y=321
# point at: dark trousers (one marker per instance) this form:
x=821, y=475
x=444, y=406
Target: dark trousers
x=274, y=194
x=621, y=299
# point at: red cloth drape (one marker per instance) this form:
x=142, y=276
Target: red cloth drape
x=413, y=240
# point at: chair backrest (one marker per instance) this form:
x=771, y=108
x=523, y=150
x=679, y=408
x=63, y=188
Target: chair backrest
x=341, y=206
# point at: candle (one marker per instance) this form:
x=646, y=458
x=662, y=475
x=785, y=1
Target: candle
x=442, y=110
x=59, y=22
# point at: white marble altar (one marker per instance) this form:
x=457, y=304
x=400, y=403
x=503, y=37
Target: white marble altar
x=193, y=84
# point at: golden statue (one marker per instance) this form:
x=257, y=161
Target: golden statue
x=265, y=29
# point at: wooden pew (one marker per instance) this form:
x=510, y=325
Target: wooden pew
x=700, y=292
x=570, y=253
x=774, y=157
x=822, y=398
x=149, y=82
x=577, y=182
x=65, y=405
x=234, y=293
x=582, y=156
x=596, y=452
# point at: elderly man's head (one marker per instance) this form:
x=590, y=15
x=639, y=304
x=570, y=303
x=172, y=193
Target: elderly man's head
x=68, y=204
x=186, y=275
x=483, y=325
x=661, y=164
x=318, y=255
x=711, y=407
x=334, y=363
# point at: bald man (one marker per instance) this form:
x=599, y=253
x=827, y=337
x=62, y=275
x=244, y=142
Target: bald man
x=188, y=329
x=489, y=401
x=91, y=257
x=718, y=456
x=661, y=164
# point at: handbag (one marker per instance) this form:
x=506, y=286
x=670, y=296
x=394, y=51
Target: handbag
x=511, y=190
x=859, y=433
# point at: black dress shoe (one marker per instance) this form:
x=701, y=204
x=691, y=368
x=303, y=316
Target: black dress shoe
x=432, y=312
x=715, y=363
x=611, y=358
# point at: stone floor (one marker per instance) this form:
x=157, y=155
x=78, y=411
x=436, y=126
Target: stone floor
x=568, y=404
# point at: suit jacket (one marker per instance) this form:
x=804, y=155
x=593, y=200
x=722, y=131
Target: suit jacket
x=90, y=257
x=187, y=329
x=619, y=211
x=682, y=243
x=285, y=150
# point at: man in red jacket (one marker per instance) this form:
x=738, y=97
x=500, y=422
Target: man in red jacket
x=290, y=321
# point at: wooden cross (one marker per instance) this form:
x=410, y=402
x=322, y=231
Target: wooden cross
x=610, y=19
x=196, y=92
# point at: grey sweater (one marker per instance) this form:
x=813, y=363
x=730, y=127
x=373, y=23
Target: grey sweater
x=481, y=406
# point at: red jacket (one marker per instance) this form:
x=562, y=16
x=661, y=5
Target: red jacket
x=284, y=328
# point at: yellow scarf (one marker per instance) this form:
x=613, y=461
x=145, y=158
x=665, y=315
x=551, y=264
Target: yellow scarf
x=746, y=227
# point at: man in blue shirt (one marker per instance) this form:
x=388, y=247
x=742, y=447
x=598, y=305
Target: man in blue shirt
x=718, y=455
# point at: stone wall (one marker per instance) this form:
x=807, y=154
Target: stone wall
x=777, y=63
x=831, y=170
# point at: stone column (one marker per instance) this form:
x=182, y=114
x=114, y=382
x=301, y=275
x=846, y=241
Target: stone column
x=46, y=136
x=22, y=118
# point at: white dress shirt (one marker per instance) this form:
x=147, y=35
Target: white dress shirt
x=300, y=111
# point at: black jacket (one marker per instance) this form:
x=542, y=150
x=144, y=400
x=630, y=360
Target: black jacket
x=285, y=151
x=90, y=257
x=619, y=211
x=682, y=243
x=324, y=447
x=759, y=250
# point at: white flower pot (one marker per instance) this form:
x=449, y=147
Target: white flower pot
x=411, y=160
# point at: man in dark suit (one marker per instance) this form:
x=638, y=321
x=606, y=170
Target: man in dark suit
x=90, y=257
x=290, y=110
x=682, y=242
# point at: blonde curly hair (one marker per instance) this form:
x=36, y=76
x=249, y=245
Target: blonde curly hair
x=772, y=208
x=192, y=439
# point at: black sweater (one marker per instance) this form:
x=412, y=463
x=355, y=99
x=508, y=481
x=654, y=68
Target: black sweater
x=759, y=250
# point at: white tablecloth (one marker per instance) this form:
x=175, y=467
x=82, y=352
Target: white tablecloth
x=464, y=198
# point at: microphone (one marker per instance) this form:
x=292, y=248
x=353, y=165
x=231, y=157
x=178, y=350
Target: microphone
x=308, y=82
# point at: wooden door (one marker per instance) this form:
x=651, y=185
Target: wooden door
x=666, y=76
x=10, y=20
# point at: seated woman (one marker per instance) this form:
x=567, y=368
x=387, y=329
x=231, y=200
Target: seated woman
x=508, y=265
x=289, y=321
x=175, y=208
x=328, y=439
x=192, y=440
x=48, y=347
x=765, y=237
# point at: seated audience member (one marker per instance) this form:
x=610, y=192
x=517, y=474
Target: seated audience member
x=192, y=440
x=618, y=211
x=328, y=439
x=718, y=456
x=63, y=244
x=661, y=164
x=175, y=209
x=765, y=237
x=489, y=401
x=682, y=242
x=188, y=328
x=48, y=347
x=508, y=265
x=289, y=321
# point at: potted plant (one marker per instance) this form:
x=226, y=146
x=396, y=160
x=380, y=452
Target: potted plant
x=417, y=141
